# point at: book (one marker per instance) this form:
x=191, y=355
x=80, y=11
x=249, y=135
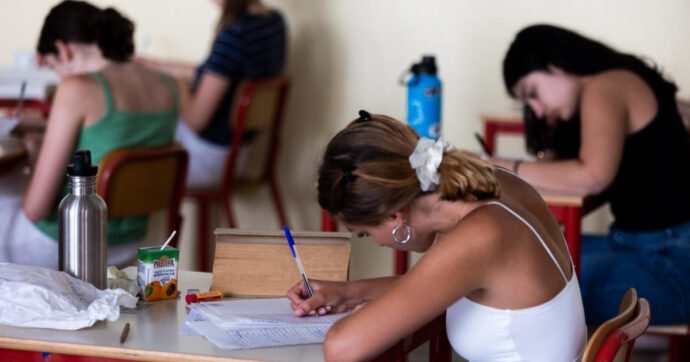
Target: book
x=259, y=263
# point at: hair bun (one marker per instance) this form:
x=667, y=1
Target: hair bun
x=117, y=36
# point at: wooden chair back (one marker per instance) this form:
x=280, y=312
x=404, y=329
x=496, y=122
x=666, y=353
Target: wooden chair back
x=259, y=106
x=619, y=344
x=626, y=312
x=139, y=181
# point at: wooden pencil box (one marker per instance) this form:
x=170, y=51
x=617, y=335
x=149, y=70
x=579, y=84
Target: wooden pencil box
x=260, y=264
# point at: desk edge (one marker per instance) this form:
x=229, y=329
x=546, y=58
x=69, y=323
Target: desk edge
x=78, y=349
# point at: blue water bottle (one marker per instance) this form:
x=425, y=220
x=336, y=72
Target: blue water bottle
x=424, y=99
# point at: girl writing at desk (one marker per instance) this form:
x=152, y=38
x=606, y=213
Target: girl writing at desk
x=103, y=102
x=633, y=145
x=495, y=259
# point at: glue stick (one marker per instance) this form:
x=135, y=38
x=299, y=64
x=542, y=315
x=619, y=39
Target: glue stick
x=204, y=297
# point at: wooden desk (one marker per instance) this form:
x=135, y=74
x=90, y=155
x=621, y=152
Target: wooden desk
x=154, y=336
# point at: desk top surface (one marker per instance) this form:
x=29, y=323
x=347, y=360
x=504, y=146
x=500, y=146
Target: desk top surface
x=153, y=335
x=555, y=198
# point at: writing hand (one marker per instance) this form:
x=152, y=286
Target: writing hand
x=327, y=297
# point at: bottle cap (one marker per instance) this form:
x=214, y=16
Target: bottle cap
x=428, y=65
x=81, y=164
x=191, y=298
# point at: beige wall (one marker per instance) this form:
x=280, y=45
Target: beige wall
x=348, y=54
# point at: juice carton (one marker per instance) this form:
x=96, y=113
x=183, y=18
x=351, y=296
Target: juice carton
x=157, y=272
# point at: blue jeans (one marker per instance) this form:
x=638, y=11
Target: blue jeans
x=656, y=263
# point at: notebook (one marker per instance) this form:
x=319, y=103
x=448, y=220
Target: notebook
x=255, y=323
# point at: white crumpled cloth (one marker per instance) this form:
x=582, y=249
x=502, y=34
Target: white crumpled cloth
x=32, y=296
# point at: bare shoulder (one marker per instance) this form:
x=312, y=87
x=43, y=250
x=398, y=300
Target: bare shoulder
x=479, y=235
x=618, y=82
x=81, y=82
x=466, y=258
x=620, y=94
x=75, y=98
x=79, y=88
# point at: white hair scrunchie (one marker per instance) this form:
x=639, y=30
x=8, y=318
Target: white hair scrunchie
x=425, y=160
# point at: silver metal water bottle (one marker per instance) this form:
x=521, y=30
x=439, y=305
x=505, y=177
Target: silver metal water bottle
x=83, y=218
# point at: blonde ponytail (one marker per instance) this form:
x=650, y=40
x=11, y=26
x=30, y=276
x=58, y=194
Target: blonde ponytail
x=463, y=176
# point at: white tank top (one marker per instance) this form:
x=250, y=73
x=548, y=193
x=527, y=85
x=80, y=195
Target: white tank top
x=553, y=331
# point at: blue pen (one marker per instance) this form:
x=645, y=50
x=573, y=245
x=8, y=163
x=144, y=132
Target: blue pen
x=291, y=243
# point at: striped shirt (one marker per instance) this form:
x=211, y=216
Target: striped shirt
x=251, y=47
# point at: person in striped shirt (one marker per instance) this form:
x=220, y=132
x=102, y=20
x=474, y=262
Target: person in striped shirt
x=250, y=43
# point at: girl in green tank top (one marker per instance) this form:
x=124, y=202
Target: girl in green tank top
x=118, y=129
x=104, y=101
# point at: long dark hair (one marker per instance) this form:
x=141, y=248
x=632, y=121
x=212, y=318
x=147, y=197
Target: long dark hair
x=559, y=140
x=538, y=46
x=79, y=21
x=232, y=10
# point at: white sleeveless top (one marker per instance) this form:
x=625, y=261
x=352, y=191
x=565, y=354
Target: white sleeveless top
x=553, y=331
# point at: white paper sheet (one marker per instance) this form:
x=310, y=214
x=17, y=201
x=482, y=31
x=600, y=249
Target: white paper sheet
x=239, y=338
x=255, y=323
x=253, y=313
x=7, y=125
x=193, y=316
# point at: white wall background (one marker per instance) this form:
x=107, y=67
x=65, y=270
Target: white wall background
x=348, y=55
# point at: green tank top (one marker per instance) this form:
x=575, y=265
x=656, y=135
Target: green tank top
x=118, y=129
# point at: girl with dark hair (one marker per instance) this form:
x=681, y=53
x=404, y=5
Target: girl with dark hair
x=250, y=43
x=630, y=130
x=103, y=102
x=495, y=259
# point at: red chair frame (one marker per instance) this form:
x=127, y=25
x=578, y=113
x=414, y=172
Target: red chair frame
x=493, y=126
x=37, y=104
x=625, y=334
x=224, y=193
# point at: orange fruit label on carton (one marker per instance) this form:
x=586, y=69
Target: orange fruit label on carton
x=157, y=272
